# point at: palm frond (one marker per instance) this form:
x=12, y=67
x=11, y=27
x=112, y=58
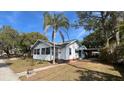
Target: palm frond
x=56, y=21
x=67, y=34
x=62, y=36
x=64, y=22
x=47, y=19
x=46, y=29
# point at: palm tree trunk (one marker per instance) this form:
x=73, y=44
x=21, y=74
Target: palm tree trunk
x=54, y=50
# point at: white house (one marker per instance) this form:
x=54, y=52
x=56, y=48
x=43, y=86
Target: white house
x=69, y=50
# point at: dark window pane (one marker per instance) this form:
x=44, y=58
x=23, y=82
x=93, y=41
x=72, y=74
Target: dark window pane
x=69, y=51
x=47, y=50
x=76, y=51
x=34, y=51
x=43, y=51
x=38, y=51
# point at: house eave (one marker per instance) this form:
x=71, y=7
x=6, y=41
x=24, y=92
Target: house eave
x=39, y=41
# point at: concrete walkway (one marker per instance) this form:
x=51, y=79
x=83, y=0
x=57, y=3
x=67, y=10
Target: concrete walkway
x=39, y=69
x=6, y=74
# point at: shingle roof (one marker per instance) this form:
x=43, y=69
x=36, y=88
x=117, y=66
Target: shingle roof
x=63, y=44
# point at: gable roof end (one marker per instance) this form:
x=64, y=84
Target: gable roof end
x=40, y=41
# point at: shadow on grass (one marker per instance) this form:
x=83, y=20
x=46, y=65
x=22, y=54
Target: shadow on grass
x=75, y=66
x=118, y=66
x=98, y=61
x=4, y=64
x=90, y=75
x=120, y=69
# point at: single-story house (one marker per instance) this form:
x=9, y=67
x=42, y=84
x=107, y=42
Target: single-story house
x=68, y=50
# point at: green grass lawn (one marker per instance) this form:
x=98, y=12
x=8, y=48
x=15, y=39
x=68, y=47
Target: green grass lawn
x=84, y=71
x=21, y=65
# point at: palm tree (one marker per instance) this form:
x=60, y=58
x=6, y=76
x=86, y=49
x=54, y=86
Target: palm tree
x=56, y=22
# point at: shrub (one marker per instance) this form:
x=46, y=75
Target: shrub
x=118, y=54
x=104, y=55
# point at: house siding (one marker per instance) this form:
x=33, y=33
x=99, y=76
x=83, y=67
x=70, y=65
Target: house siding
x=64, y=55
x=40, y=56
x=73, y=55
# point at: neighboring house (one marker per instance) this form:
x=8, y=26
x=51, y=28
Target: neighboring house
x=69, y=50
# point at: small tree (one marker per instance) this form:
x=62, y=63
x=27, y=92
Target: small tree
x=28, y=39
x=8, y=38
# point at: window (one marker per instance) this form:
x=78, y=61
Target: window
x=69, y=51
x=43, y=51
x=38, y=51
x=76, y=51
x=47, y=51
x=34, y=51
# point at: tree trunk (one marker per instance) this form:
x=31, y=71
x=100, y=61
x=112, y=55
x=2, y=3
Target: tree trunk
x=107, y=39
x=107, y=42
x=54, y=50
x=117, y=38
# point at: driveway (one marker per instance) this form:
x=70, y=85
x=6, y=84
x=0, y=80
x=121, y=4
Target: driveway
x=6, y=74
